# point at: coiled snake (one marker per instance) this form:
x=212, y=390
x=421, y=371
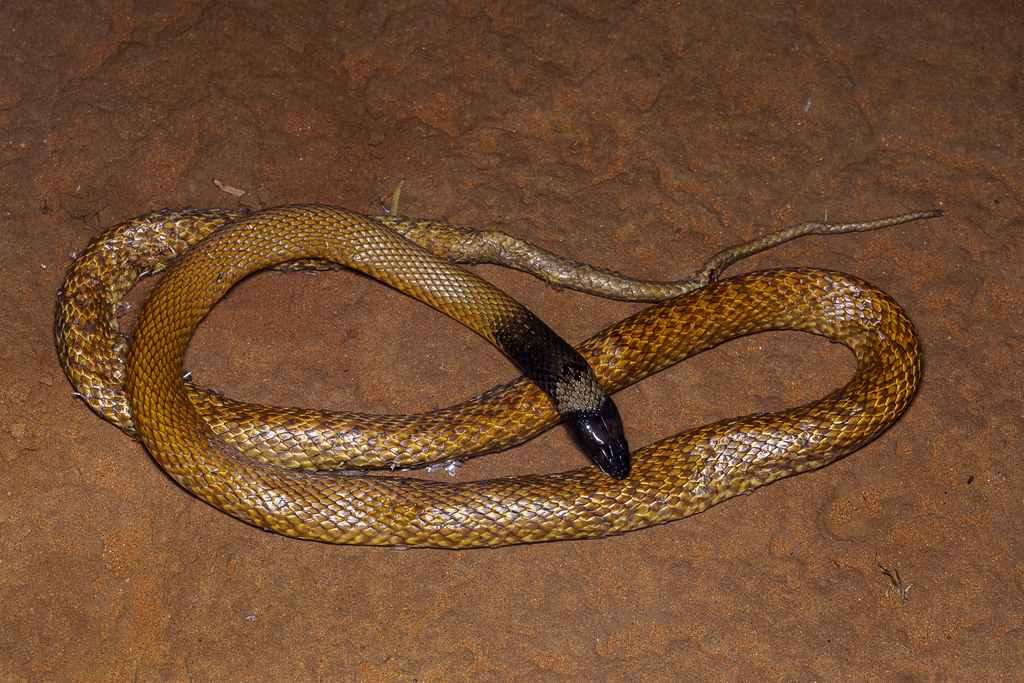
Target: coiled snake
x=246, y=460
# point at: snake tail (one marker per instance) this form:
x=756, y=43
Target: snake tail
x=213, y=447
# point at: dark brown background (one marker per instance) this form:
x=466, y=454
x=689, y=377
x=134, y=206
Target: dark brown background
x=640, y=136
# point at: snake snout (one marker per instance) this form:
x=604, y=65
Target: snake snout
x=602, y=438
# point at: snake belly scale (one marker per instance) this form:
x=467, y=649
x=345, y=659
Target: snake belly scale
x=669, y=480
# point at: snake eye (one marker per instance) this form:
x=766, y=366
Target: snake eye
x=601, y=436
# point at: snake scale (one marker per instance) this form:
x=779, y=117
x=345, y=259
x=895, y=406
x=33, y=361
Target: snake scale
x=247, y=460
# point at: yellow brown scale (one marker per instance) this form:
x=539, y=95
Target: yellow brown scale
x=674, y=478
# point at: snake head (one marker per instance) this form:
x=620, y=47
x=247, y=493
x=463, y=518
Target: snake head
x=599, y=433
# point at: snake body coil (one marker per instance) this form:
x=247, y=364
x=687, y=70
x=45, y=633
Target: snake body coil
x=671, y=479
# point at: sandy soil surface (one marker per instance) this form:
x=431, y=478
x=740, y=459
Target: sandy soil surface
x=639, y=136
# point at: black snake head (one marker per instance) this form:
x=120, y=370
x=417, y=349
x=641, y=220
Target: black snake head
x=601, y=436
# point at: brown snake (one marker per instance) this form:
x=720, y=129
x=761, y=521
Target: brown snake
x=205, y=442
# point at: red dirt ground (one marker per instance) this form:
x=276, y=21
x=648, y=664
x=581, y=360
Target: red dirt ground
x=637, y=136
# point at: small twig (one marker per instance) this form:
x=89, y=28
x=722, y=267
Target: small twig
x=897, y=583
x=394, y=198
x=227, y=188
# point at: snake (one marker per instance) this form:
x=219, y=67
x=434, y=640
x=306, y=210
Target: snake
x=237, y=458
